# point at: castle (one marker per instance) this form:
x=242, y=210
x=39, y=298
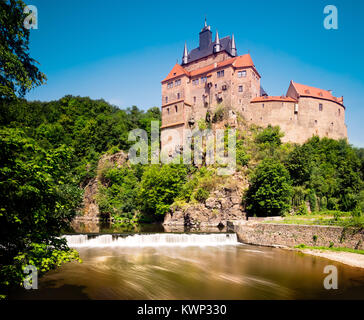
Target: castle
x=213, y=75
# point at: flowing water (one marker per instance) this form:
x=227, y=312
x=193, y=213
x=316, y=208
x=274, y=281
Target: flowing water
x=190, y=266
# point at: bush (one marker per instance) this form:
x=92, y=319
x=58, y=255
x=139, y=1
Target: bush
x=302, y=210
x=160, y=186
x=270, y=135
x=201, y=195
x=270, y=190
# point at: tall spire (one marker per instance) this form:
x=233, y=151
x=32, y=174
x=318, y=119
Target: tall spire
x=217, y=46
x=205, y=23
x=185, y=55
x=233, y=46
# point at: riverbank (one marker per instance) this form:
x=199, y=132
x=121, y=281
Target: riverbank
x=289, y=236
x=348, y=258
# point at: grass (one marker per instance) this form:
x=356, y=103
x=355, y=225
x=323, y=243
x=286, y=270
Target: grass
x=337, y=249
x=327, y=218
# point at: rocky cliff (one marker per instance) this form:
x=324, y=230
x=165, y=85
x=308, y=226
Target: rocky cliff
x=90, y=208
x=224, y=204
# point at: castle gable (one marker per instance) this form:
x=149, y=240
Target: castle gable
x=307, y=91
x=176, y=71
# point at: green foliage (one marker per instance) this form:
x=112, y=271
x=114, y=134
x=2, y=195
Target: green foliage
x=38, y=198
x=90, y=127
x=160, y=185
x=201, y=195
x=242, y=157
x=270, y=136
x=312, y=200
x=270, y=190
x=19, y=73
x=119, y=198
x=302, y=210
x=331, y=169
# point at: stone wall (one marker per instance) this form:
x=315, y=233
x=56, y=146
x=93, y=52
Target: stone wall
x=270, y=234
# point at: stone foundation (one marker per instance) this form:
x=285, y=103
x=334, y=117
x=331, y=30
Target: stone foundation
x=270, y=234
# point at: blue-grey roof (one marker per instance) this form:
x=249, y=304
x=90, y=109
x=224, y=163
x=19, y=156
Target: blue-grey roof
x=197, y=53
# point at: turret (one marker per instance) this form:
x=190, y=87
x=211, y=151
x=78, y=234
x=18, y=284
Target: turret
x=217, y=45
x=185, y=55
x=233, y=47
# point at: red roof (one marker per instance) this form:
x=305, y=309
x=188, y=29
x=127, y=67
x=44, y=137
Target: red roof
x=176, y=71
x=308, y=91
x=273, y=98
x=243, y=61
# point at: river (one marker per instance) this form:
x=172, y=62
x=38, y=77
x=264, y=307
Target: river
x=167, y=265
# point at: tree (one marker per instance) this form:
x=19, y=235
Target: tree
x=160, y=185
x=38, y=198
x=270, y=190
x=270, y=136
x=18, y=71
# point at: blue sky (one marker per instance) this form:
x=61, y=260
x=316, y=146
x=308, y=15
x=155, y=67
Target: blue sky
x=121, y=50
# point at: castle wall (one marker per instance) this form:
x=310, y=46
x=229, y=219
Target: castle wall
x=301, y=126
x=217, y=57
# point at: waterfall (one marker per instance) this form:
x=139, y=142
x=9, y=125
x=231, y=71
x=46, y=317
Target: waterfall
x=151, y=240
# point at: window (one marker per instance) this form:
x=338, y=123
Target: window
x=194, y=99
x=263, y=105
x=240, y=88
x=320, y=107
x=176, y=108
x=168, y=110
x=170, y=85
x=215, y=85
x=195, y=81
x=242, y=74
x=166, y=99
x=177, y=82
x=339, y=111
x=220, y=73
x=178, y=95
x=203, y=79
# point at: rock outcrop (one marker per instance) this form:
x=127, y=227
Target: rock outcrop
x=90, y=209
x=224, y=204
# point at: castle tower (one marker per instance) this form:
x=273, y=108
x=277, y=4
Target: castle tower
x=205, y=37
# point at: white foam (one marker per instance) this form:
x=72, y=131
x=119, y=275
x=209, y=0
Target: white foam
x=151, y=240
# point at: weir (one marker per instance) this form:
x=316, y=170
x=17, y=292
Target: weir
x=151, y=240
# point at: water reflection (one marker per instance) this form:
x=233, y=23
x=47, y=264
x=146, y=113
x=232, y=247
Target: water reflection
x=215, y=272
